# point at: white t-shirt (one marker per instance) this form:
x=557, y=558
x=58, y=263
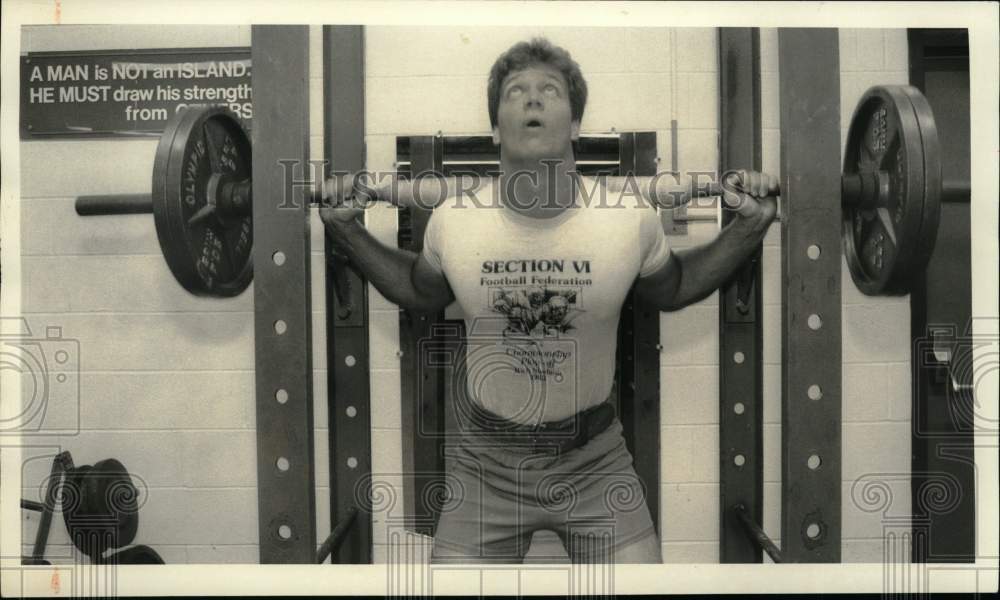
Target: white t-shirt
x=541, y=298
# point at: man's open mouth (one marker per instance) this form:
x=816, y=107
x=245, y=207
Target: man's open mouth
x=533, y=124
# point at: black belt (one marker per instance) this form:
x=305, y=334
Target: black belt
x=563, y=435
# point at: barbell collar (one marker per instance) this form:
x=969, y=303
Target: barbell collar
x=235, y=199
x=866, y=190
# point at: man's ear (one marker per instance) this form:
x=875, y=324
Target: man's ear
x=574, y=130
x=496, y=135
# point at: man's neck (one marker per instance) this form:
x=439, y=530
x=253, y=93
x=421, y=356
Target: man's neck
x=538, y=189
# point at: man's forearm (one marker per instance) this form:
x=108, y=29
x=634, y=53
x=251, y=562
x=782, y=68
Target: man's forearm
x=388, y=269
x=705, y=268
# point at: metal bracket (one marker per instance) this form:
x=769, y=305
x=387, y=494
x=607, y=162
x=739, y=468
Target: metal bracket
x=674, y=221
x=745, y=284
x=349, y=291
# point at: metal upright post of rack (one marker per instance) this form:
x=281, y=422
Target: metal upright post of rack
x=349, y=401
x=421, y=379
x=741, y=472
x=282, y=300
x=809, y=96
x=638, y=357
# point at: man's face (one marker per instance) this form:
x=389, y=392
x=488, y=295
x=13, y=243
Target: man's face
x=534, y=118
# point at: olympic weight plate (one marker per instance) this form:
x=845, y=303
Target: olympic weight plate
x=933, y=179
x=885, y=245
x=208, y=256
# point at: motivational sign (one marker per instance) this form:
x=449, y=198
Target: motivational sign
x=128, y=92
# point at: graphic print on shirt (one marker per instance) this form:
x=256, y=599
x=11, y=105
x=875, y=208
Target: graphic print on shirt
x=538, y=304
x=536, y=311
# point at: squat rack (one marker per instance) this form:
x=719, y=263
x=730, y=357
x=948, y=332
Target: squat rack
x=282, y=303
x=809, y=95
x=809, y=98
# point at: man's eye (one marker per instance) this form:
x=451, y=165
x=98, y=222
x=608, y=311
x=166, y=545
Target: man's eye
x=514, y=91
x=551, y=90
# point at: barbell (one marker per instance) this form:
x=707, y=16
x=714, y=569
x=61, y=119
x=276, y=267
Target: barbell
x=202, y=194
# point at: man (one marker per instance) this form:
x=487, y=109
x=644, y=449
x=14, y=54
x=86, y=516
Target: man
x=540, y=274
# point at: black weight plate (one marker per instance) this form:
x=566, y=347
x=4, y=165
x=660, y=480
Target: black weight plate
x=932, y=182
x=210, y=257
x=880, y=244
x=100, y=508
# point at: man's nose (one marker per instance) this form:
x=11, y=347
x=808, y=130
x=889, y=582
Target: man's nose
x=533, y=99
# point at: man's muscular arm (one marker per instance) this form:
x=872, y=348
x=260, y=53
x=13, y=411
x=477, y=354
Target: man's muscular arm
x=692, y=274
x=405, y=278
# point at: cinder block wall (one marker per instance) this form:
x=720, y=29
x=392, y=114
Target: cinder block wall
x=166, y=380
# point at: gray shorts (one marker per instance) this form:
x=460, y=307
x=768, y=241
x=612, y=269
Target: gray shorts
x=500, y=494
